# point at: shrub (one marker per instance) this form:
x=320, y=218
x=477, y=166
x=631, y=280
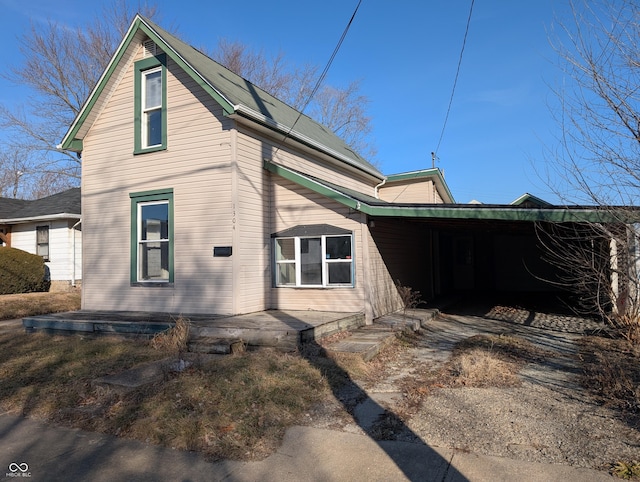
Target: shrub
x=22, y=272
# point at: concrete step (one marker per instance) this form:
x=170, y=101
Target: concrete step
x=367, y=341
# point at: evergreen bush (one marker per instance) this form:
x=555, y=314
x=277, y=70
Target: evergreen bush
x=22, y=272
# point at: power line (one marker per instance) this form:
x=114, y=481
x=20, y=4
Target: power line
x=323, y=74
x=455, y=82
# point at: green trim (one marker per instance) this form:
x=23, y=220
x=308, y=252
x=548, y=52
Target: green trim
x=197, y=78
x=413, y=175
x=70, y=137
x=461, y=211
x=530, y=197
x=140, y=67
x=313, y=185
x=137, y=25
x=424, y=173
x=146, y=196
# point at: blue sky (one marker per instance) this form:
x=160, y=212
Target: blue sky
x=405, y=54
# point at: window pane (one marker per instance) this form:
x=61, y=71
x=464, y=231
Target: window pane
x=286, y=274
x=285, y=249
x=339, y=273
x=153, y=89
x=154, y=220
x=154, y=127
x=338, y=247
x=43, y=250
x=154, y=261
x=311, y=261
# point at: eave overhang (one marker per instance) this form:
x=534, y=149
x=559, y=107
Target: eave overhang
x=377, y=208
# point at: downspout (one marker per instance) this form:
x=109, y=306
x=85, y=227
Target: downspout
x=384, y=181
x=73, y=260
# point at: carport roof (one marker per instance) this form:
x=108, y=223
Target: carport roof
x=379, y=208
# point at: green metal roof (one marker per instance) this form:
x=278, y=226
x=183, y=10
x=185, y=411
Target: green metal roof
x=237, y=96
x=377, y=207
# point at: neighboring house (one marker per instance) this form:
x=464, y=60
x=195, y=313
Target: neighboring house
x=201, y=193
x=49, y=227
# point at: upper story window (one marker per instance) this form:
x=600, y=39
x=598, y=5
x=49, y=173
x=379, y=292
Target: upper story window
x=150, y=117
x=152, y=108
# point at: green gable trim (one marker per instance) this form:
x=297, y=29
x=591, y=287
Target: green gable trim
x=75, y=145
x=70, y=137
x=68, y=143
x=460, y=211
x=227, y=107
x=414, y=175
x=425, y=173
x=313, y=185
x=139, y=68
x=146, y=196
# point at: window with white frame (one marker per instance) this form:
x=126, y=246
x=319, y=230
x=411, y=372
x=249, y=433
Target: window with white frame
x=152, y=107
x=42, y=242
x=150, y=103
x=314, y=261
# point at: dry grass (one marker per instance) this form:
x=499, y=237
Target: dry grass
x=488, y=361
x=30, y=304
x=175, y=339
x=226, y=407
x=611, y=372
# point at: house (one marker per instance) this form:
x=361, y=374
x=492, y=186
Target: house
x=203, y=194
x=50, y=227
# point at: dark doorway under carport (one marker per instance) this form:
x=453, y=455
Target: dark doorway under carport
x=446, y=257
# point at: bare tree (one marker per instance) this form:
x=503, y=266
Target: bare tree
x=60, y=67
x=69, y=62
x=597, y=160
x=598, y=157
x=343, y=110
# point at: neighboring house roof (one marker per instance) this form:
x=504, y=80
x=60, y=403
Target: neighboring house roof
x=65, y=204
x=377, y=207
x=238, y=97
x=530, y=200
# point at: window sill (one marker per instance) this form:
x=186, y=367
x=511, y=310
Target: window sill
x=315, y=287
x=152, y=284
x=149, y=149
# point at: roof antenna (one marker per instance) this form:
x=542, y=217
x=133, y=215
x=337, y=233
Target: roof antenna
x=434, y=158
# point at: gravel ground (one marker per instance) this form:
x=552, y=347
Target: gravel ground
x=548, y=418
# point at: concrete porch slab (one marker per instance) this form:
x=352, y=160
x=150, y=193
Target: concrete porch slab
x=281, y=329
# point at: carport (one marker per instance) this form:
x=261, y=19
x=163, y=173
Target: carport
x=471, y=249
x=447, y=249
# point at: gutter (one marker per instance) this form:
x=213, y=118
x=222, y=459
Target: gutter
x=44, y=217
x=248, y=113
x=376, y=193
x=73, y=258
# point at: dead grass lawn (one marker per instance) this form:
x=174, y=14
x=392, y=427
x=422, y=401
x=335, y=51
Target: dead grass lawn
x=31, y=304
x=228, y=407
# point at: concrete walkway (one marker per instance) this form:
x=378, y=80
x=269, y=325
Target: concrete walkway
x=46, y=453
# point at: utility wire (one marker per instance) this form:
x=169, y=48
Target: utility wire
x=323, y=75
x=455, y=82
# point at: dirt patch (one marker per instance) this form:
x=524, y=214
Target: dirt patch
x=503, y=388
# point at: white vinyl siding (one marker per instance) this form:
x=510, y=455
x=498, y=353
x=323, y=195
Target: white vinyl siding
x=61, y=249
x=197, y=165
